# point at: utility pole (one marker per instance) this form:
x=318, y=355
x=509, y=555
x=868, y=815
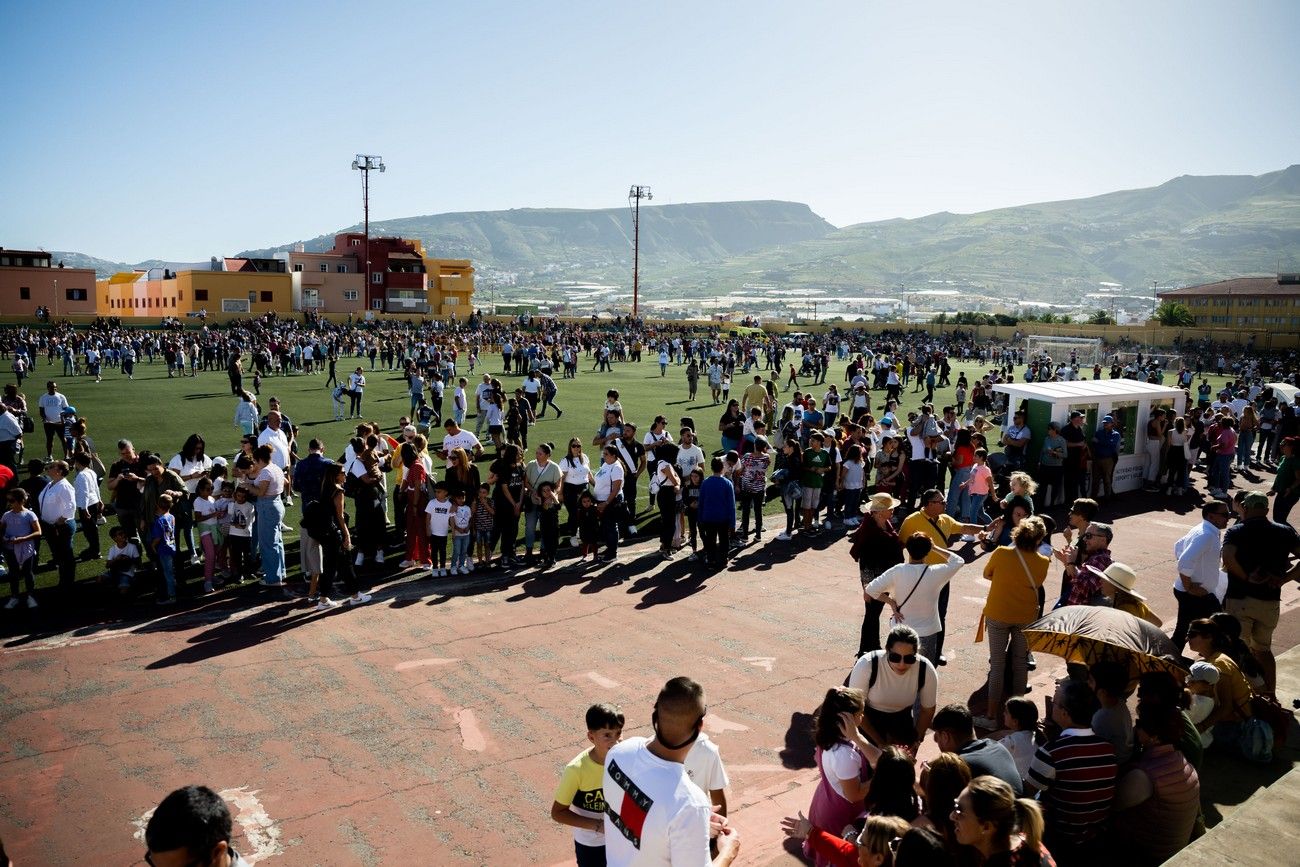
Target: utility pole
x=635, y=195
x=364, y=163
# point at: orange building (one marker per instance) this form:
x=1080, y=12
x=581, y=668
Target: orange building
x=28, y=280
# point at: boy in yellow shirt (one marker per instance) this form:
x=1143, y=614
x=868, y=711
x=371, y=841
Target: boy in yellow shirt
x=579, y=798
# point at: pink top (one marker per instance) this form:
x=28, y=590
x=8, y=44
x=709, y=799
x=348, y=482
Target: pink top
x=980, y=479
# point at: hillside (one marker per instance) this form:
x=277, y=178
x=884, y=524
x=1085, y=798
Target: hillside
x=1186, y=231
x=537, y=239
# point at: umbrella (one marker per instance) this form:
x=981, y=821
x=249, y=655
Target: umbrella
x=1089, y=633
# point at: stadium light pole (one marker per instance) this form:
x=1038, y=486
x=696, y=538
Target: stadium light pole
x=365, y=163
x=635, y=195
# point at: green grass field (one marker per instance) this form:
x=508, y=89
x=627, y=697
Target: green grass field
x=157, y=413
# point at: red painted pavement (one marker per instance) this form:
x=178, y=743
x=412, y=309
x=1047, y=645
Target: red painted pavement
x=429, y=726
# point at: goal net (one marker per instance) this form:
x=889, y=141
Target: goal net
x=1061, y=350
x=1165, y=361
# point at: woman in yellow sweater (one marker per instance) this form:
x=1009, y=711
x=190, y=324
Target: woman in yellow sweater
x=1016, y=571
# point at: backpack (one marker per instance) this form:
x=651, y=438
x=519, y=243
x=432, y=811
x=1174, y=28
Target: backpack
x=316, y=521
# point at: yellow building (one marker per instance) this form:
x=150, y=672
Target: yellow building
x=221, y=294
x=451, y=287
x=1268, y=304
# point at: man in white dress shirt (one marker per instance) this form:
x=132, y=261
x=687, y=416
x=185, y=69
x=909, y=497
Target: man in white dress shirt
x=57, y=509
x=1198, y=555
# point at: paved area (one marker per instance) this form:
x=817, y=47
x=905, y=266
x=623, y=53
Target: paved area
x=429, y=726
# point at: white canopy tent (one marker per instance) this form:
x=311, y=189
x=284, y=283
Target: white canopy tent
x=1128, y=401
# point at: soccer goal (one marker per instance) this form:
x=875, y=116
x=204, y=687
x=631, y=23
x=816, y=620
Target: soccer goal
x=1075, y=350
x=1165, y=361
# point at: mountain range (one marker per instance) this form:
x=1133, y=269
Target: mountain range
x=1188, y=230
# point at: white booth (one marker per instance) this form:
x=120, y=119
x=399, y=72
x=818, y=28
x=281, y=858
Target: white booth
x=1128, y=401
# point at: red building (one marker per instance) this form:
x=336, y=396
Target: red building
x=397, y=282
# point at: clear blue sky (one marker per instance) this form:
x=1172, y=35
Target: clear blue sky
x=180, y=130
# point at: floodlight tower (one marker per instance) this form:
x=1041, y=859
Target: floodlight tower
x=364, y=163
x=635, y=195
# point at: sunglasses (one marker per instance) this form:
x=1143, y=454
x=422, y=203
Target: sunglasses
x=896, y=658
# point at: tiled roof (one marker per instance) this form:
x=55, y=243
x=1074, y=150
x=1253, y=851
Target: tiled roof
x=1236, y=286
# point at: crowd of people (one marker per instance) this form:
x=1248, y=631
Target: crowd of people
x=910, y=486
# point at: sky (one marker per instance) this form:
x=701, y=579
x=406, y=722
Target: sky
x=178, y=130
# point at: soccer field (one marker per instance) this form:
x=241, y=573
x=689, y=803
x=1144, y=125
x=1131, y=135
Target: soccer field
x=157, y=413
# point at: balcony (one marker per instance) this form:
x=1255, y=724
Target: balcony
x=406, y=301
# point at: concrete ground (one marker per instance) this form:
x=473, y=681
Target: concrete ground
x=429, y=726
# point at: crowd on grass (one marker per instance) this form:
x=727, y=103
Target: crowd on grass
x=871, y=454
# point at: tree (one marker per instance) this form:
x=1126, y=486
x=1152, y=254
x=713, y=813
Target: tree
x=1175, y=315
x=1101, y=317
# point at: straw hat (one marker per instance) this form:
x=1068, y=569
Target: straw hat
x=882, y=502
x=1122, y=576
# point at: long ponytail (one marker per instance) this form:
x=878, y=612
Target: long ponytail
x=1029, y=818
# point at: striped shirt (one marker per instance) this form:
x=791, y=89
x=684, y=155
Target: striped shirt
x=1076, y=776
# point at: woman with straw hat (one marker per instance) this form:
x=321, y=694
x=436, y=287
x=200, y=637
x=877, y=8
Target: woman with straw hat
x=876, y=547
x=1117, y=583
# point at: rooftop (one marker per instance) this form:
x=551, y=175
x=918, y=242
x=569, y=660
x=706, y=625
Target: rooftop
x=1281, y=284
x=1087, y=388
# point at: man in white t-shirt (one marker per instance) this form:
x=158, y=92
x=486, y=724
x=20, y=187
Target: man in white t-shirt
x=274, y=436
x=689, y=454
x=654, y=814
x=895, y=680
x=52, y=404
x=912, y=590
x=454, y=437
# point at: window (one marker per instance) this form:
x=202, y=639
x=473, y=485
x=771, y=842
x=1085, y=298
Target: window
x=324, y=266
x=341, y=269
x=234, y=305
x=349, y=295
x=200, y=294
x=377, y=277
x=25, y=293
x=356, y=242
x=267, y=297
x=297, y=266
x=377, y=304
x=74, y=294
x=1125, y=414
x=252, y=296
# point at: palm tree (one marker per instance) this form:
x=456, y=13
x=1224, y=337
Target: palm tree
x=1175, y=315
x=1101, y=317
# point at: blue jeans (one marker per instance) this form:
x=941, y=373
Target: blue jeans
x=1221, y=472
x=460, y=551
x=955, y=494
x=530, y=530
x=972, y=508
x=167, y=565
x=270, y=544
x=1245, y=442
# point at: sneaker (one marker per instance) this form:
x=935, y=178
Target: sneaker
x=968, y=537
x=693, y=558
x=13, y=602
x=359, y=599
x=208, y=588
x=667, y=555
x=31, y=601
x=406, y=564
x=196, y=560
x=1030, y=662
x=631, y=529
x=464, y=570
x=379, y=556
x=325, y=604
x=985, y=723
x=783, y=537
x=170, y=600
x=361, y=558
